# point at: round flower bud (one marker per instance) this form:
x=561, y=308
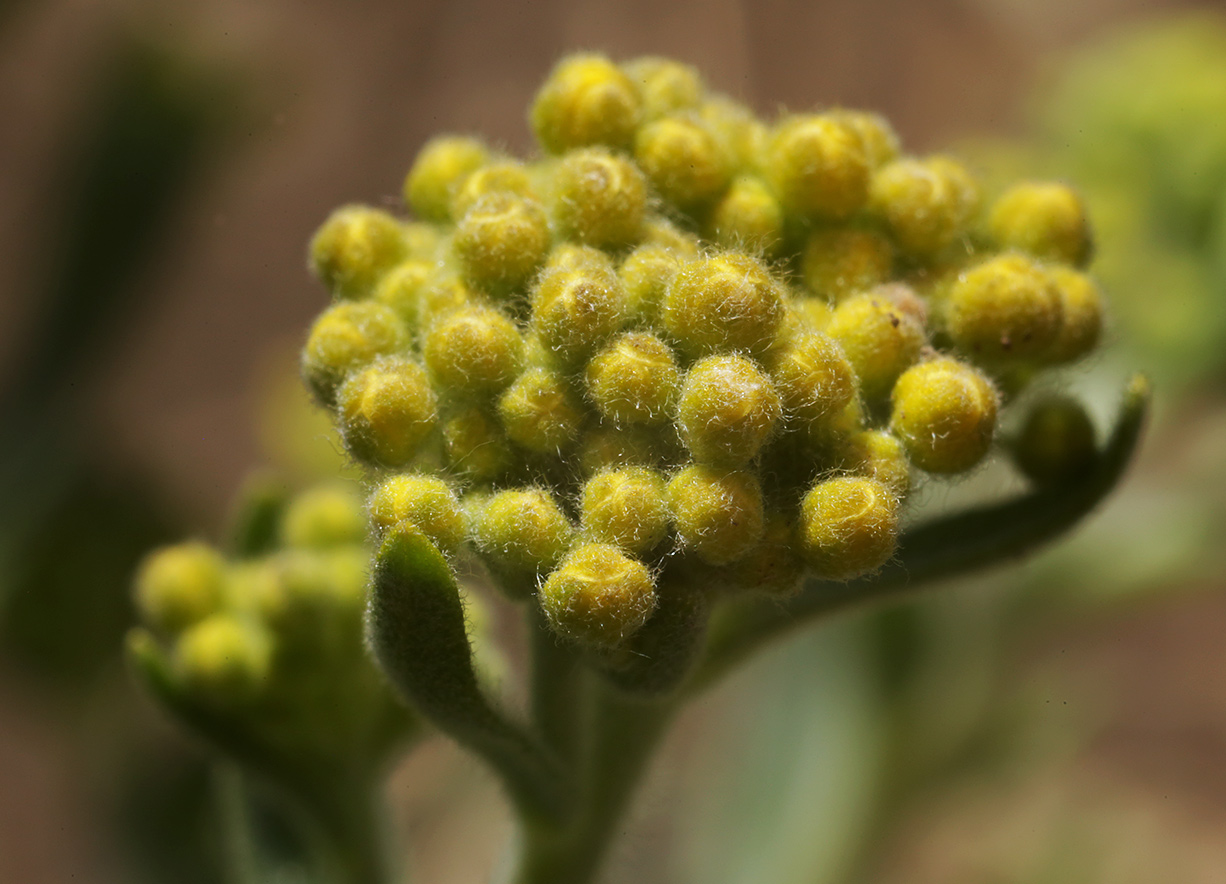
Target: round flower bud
x=476, y=446
x=926, y=204
x=879, y=455
x=401, y=288
x=347, y=337
x=728, y=302
x=814, y=314
x=626, y=508
x=1006, y=307
x=773, y=567
x=540, y=413
x=573, y=256
x=222, y=662
x=683, y=161
x=944, y=412
x=1081, y=315
x=386, y=411
x=659, y=231
x=841, y=261
x=727, y=411
x=575, y=311
x=178, y=586
x=426, y=502
x=879, y=339
x=354, y=248
x=422, y=240
x=813, y=377
x=665, y=86
x=501, y=242
x=598, y=596
x=1056, y=442
x=586, y=100
x=500, y=176
x=605, y=447
x=522, y=534
x=880, y=141
x=1044, y=219
x=599, y=198
x=818, y=166
x=718, y=514
x=748, y=217
x=848, y=527
x=645, y=275
x=473, y=352
x=323, y=517
x=313, y=603
x=440, y=169
x=743, y=135
x=443, y=294
x=635, y=380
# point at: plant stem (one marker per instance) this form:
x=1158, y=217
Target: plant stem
x=557, y=688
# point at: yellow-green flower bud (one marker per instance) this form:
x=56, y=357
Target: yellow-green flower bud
x=347, y=337
x=626, y=508
x=814, y=314
x=818, y=166
x=881, y=456
x=599, y=198
x=814, y=379
x=606, y=447
x=944, y=412
x=684, y=162
x=1044, y=219
x=659, y=231
x=1004, y=308
x=880, y=141
x=443, y=294
x=926, y=204
x=473, y=352
x=742, y=134
x=178, y=586
x=323, y=517
x=422, y=240
x=222, y=661
x=501, y=176
x=598, y=596
x=401, y=288
x=728, y=410
x=540, y=413
x=574, y=312
x=645, y=275
x=386, y=412
x=841, y=261
x=879, y=339
x=440, y=169
x=748, y=217
x=1081, y=315
x=848, y=527
x=313, y=604
x=665, y=86
x=718, y=513
x=773, y=566
x=501, y=242
x=727, y=302
x=523, y=534
x=476, y=446
x=573, y=256
x=586, y=100
x=426, y=502
x=354, y=248
x=635, y=380
x=1056, y=443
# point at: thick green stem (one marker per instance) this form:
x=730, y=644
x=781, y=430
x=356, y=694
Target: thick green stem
x=557, y=688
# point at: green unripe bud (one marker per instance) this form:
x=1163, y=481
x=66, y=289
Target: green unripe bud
x=748, y=217
x=1044, y=219
x=441, y=296
x=773, y=566
x=222, y=662
x=323, y=517
x=1056, y=442
x=818, y=166
x=718, y=514
x=878, y=137
x=635, y=380
x=683, y=161
x=848, y=527
x=575, y=311
x=645, y=275
x=880, y=340
x=742, y=134
x=728, y=302
x=440, y=169
x=179, y=585
x=501, y=242
x=314, y=602
x=523, y=534
x=927, y=204
x=586, y=100
x=345, y=338
x=659, y=231
x=665, y=86
x=599, y=198
x=386, y=412
x=424, y=501
x=625, y=508
x=473, y=352
x=728, y=410
x=501, y=176
x=598, y=596
x=540, y=413
x=841, y=261
x=1081, y=311
x=814, y=379
x=1006, y=307
x=944, y=412
x=813, y=314
x=401, y=288
x=606, y=447
x=476, y=446
x=573, y=256
x=422, y=240
x=354, y=248
x=881, y=456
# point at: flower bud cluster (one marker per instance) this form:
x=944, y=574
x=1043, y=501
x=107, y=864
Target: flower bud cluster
x=683, y=342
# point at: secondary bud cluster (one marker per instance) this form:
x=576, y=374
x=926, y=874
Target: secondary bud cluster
x=683, y=341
